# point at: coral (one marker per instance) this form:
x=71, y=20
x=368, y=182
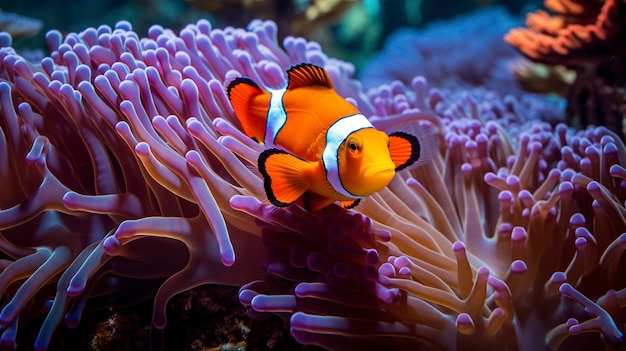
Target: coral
x=582, y=31
x=205, y=317
x=442, y=54
x=541, y=78
x=120, y=332
x=588, y=36
x=297, y=18
x=319, y=13
x=19, y=26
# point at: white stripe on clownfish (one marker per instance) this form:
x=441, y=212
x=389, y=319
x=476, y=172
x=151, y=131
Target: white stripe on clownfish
x=337, y=133
x=276, y=116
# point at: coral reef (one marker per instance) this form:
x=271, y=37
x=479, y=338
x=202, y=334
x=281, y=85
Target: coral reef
x=297, y=18
x=543, y=79
x=589, y=37
x=442, y=54
x=127, y=176
x=19, y=26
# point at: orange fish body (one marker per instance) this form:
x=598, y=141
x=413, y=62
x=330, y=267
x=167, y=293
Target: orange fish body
x=321, y=148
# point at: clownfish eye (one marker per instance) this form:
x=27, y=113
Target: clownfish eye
x=354, y=145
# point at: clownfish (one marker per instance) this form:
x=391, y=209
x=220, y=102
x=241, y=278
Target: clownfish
x=321, y=149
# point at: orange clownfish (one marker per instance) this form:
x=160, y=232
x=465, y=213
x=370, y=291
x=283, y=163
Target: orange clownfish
x=321, y=149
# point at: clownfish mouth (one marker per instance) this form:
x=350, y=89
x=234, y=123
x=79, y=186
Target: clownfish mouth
x=373, y=173
x=375, y=180
x=370, y=179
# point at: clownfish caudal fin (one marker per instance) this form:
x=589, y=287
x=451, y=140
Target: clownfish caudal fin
x=284, y=176
x=241, y=92
x=404, y=148
x=306, y=75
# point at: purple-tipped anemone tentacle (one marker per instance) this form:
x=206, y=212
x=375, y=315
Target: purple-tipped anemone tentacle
x=120, y=151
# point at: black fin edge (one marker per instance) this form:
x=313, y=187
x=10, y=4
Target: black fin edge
x=241, y=80
x=415, y=150
x=319, y=73
x=267, y=180
x=353, y=205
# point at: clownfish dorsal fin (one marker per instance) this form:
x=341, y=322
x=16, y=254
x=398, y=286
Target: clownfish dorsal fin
x=306, y=75
x=404, y=149
x=241, y=92
x=284, y=176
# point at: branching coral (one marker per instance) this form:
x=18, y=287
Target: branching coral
x=125, y=163
x=590, y=37
x=580, y=32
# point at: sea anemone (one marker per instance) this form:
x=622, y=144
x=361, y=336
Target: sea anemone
x=111, y=162
x=484, y=247
x=127, y=176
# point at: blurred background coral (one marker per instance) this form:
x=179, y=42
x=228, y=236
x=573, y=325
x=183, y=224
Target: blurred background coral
x=347, y=29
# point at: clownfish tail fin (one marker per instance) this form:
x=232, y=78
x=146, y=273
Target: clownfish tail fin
x=241, y=92
x=284, y=176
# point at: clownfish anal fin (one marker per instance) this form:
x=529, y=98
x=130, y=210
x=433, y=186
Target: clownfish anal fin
x=283, y=176
x=306, y=75
x=350, y=204
x=404, y=149
x=314, y=202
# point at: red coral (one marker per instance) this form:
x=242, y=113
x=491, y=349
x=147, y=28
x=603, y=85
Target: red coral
x=588, y=36
x=580, y=32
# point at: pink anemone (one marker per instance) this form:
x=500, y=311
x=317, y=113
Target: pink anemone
x=123, y=165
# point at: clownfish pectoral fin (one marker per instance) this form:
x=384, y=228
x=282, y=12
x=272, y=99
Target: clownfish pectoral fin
x=283, y=176
x=404, y=149
x=241, y=92
x=350, y=204
x=306, y=75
